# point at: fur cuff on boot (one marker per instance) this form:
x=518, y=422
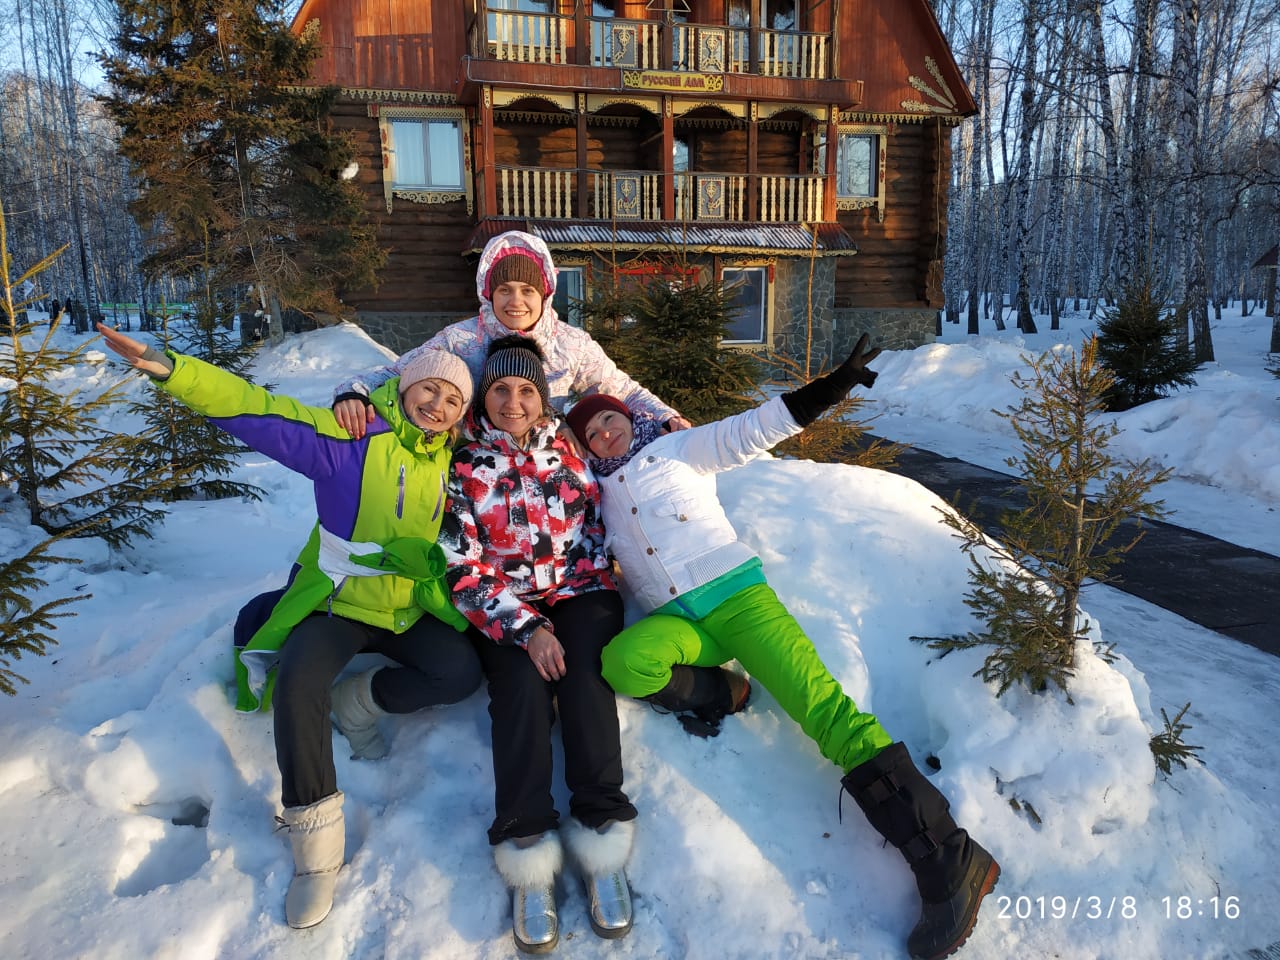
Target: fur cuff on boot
x=596, y=852
x=533, y=866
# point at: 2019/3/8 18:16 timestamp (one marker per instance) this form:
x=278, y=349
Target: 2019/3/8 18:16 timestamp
x=1115, y=907
x=1215, y=908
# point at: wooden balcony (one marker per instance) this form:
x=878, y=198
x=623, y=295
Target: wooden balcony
x=543, y=38
x=620, y=195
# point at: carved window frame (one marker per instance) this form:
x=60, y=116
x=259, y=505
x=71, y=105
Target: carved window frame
x=388, y=114
x=880, y=139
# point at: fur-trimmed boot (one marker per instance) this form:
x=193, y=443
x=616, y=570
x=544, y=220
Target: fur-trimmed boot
x=529, y=866
x=356, y=713
x=318, y=837
x=953, y=872
x=602, y=857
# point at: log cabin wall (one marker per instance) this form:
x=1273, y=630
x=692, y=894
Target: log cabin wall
x=888, y=68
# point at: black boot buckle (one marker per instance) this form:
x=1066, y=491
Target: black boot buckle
x=919, y=846
x=878, y=791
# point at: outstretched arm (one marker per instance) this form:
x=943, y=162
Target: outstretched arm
x=810, y=401
x=139, y=356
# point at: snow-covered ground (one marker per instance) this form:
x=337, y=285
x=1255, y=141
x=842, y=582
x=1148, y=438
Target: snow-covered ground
x=136, y=806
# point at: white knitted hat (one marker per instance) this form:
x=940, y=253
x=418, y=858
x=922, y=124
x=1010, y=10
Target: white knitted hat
x=438, y=365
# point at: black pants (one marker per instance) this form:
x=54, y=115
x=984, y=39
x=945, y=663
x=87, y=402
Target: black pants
x=439, y=666
x=522, y=712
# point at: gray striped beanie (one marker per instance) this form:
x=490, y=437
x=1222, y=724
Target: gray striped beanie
x=515, y=356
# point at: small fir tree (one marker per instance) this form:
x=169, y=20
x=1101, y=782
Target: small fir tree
x=1168, y=747
x=25, y=627
x=1139, y=344
x=1026, y=587
x=668, y=336
x=74, y=476
x=179, y=445
x=839, y=434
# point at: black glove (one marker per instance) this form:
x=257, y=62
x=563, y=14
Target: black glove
x=808, y=403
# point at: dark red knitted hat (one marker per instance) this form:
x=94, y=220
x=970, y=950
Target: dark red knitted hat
x=588, y=407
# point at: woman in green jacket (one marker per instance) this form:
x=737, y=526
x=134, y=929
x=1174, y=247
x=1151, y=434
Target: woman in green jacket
x=369, y=579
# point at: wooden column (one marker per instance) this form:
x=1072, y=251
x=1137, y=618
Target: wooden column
x=753, y=161
x=832, y=151
x=580, y=157
x=581, y=34
x=489, y=198
x=753, y=36
x=668, y=157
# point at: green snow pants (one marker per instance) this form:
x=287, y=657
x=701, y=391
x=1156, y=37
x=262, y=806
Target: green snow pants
x=754, y=628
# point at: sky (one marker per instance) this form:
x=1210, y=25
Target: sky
x=136, y=806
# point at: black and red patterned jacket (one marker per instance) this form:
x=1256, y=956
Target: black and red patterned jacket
x=521, y=526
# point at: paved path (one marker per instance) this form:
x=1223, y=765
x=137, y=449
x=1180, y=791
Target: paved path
x=1225, y=587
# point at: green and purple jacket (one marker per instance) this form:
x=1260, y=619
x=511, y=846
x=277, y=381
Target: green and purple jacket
x=372, y=556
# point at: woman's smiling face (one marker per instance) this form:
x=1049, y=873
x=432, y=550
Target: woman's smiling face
x=513, y=404
x=608, y=434
x=433, y=405
x=517, y=305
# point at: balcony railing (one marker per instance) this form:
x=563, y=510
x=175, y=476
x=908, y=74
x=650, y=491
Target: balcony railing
x=655, y=45
x=528, y=37
x=622, y=195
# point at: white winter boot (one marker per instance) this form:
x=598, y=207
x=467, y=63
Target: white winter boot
x=529, y=867
x=602, y=857
x=318, y=837
x=355, y=714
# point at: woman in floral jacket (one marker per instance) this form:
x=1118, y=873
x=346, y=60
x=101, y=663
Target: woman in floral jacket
x=528, y=569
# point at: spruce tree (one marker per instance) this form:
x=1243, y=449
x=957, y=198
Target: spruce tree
x=24, y=626
x=193, y=457
x=1139, y=344
x=238, y=162
x=74, y=476
x=668, y=336
x=1026, y=587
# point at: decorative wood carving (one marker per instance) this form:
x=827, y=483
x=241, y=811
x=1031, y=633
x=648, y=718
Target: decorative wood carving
x=626, y=196
x=945, y=99
x=711, y=198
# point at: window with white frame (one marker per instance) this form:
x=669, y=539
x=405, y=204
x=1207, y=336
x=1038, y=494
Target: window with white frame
x=860, y=166
x=747, y=289
x=857, y=163
x=426, y=154
x=568, y=297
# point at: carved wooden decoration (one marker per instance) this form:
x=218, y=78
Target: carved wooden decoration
x=946, y=100
x=626, y=197
x=711, y=198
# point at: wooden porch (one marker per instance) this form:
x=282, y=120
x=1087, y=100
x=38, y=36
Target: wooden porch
x=644, y=195
x=546, y=38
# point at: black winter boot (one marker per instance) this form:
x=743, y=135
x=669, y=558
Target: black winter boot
x=953, y=872
x=702, y=697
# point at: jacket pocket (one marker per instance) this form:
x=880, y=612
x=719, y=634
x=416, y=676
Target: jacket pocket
x=680, y=509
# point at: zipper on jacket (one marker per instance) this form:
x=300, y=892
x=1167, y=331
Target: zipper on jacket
x=440, y=500
x=400, y=495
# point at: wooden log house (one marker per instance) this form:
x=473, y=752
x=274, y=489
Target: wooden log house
x=798, y=147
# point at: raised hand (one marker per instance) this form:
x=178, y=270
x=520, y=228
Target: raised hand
x=133, y=352
x=810, y=401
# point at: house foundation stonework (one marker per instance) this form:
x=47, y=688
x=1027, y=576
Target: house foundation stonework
x=890, y=328
x=804, y=291
x=402, y=332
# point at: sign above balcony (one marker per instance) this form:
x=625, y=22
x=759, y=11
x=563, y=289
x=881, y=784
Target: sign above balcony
x=672, y=81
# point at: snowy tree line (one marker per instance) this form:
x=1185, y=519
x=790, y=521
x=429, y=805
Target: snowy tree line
x=1114, y=138
x=60, y=173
